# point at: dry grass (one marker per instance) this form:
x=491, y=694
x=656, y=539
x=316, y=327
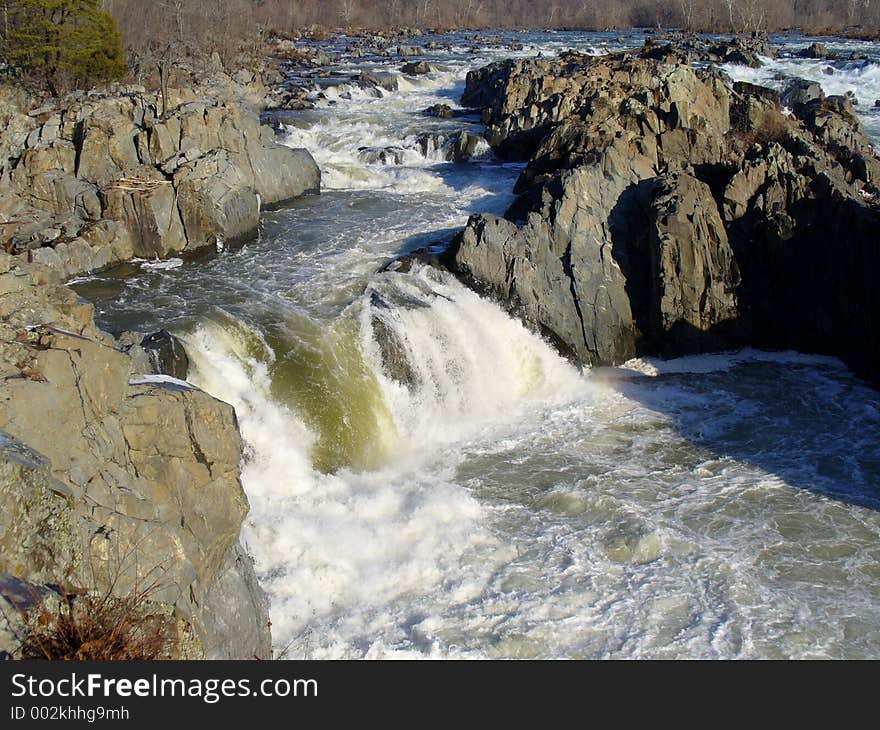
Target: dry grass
x=99, y=628
x=773, y=128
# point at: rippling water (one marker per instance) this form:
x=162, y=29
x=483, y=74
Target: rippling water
x=506, y=504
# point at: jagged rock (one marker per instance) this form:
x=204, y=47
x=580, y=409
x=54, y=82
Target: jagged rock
x=666, y=210
x=176, y=182
x=683, y=48
x=693, y=305
x=141, y=483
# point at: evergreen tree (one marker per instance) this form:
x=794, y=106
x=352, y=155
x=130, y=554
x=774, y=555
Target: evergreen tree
x=62, y=42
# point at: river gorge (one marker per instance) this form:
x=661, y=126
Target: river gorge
x=429, y=476
x=506, y=503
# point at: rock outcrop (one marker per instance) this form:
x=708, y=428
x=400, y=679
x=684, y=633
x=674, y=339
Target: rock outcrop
x=665, y=209
x=115, y=480
x=96, y=180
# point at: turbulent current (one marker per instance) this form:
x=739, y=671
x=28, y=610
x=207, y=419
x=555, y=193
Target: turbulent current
x=503, y=503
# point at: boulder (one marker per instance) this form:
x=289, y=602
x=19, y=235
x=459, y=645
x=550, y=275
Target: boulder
x=816, y=50
x=215, y=201
x=382, y=155
x=415, y=68
x=166, y=354
x=441, y=111
x=800, y=92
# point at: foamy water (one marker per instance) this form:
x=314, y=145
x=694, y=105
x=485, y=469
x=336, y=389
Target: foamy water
x=501, y=503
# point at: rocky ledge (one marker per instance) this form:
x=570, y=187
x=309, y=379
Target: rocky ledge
x=667, y=210
x=113, y=479
x=117, y=477
x=92, y=180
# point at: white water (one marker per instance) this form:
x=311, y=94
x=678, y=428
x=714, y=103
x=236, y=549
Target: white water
x=860, y=79
x=505, y=504
x=356, y=548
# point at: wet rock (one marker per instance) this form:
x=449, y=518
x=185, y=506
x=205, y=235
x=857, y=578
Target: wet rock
x=817, y=50
x=382, y=155
x=381, y=80
x=395, y=363
x=464, y=145
x=409, y=51
x=167, y=354
x=432, y=144
x=441, y=111
x=415, y=68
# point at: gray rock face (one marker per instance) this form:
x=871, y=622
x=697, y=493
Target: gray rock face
x=107, y=178
x=693, y=303
x=140, y=486
x=666, y=210
x=234, y=616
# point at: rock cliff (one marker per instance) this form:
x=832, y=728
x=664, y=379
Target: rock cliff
x=112, y=479
x=665, y=209
x=89, y=181
x=114, y=475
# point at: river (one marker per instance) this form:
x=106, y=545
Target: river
x=504, y=503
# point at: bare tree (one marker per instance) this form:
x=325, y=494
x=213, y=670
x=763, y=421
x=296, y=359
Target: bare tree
x=347, y=11
x=687, y=8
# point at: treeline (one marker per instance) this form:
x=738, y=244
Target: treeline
x=222, y=23
x=75, y=42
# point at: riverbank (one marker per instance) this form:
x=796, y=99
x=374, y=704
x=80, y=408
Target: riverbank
x=119, y=479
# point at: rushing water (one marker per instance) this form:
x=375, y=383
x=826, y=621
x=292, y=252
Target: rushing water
x=506, y=504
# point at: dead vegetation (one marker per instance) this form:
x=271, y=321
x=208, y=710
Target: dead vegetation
x=99, y=628
x=233, y=29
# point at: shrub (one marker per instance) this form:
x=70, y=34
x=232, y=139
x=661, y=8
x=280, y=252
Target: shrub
x=99, y=628
x=64, y=43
